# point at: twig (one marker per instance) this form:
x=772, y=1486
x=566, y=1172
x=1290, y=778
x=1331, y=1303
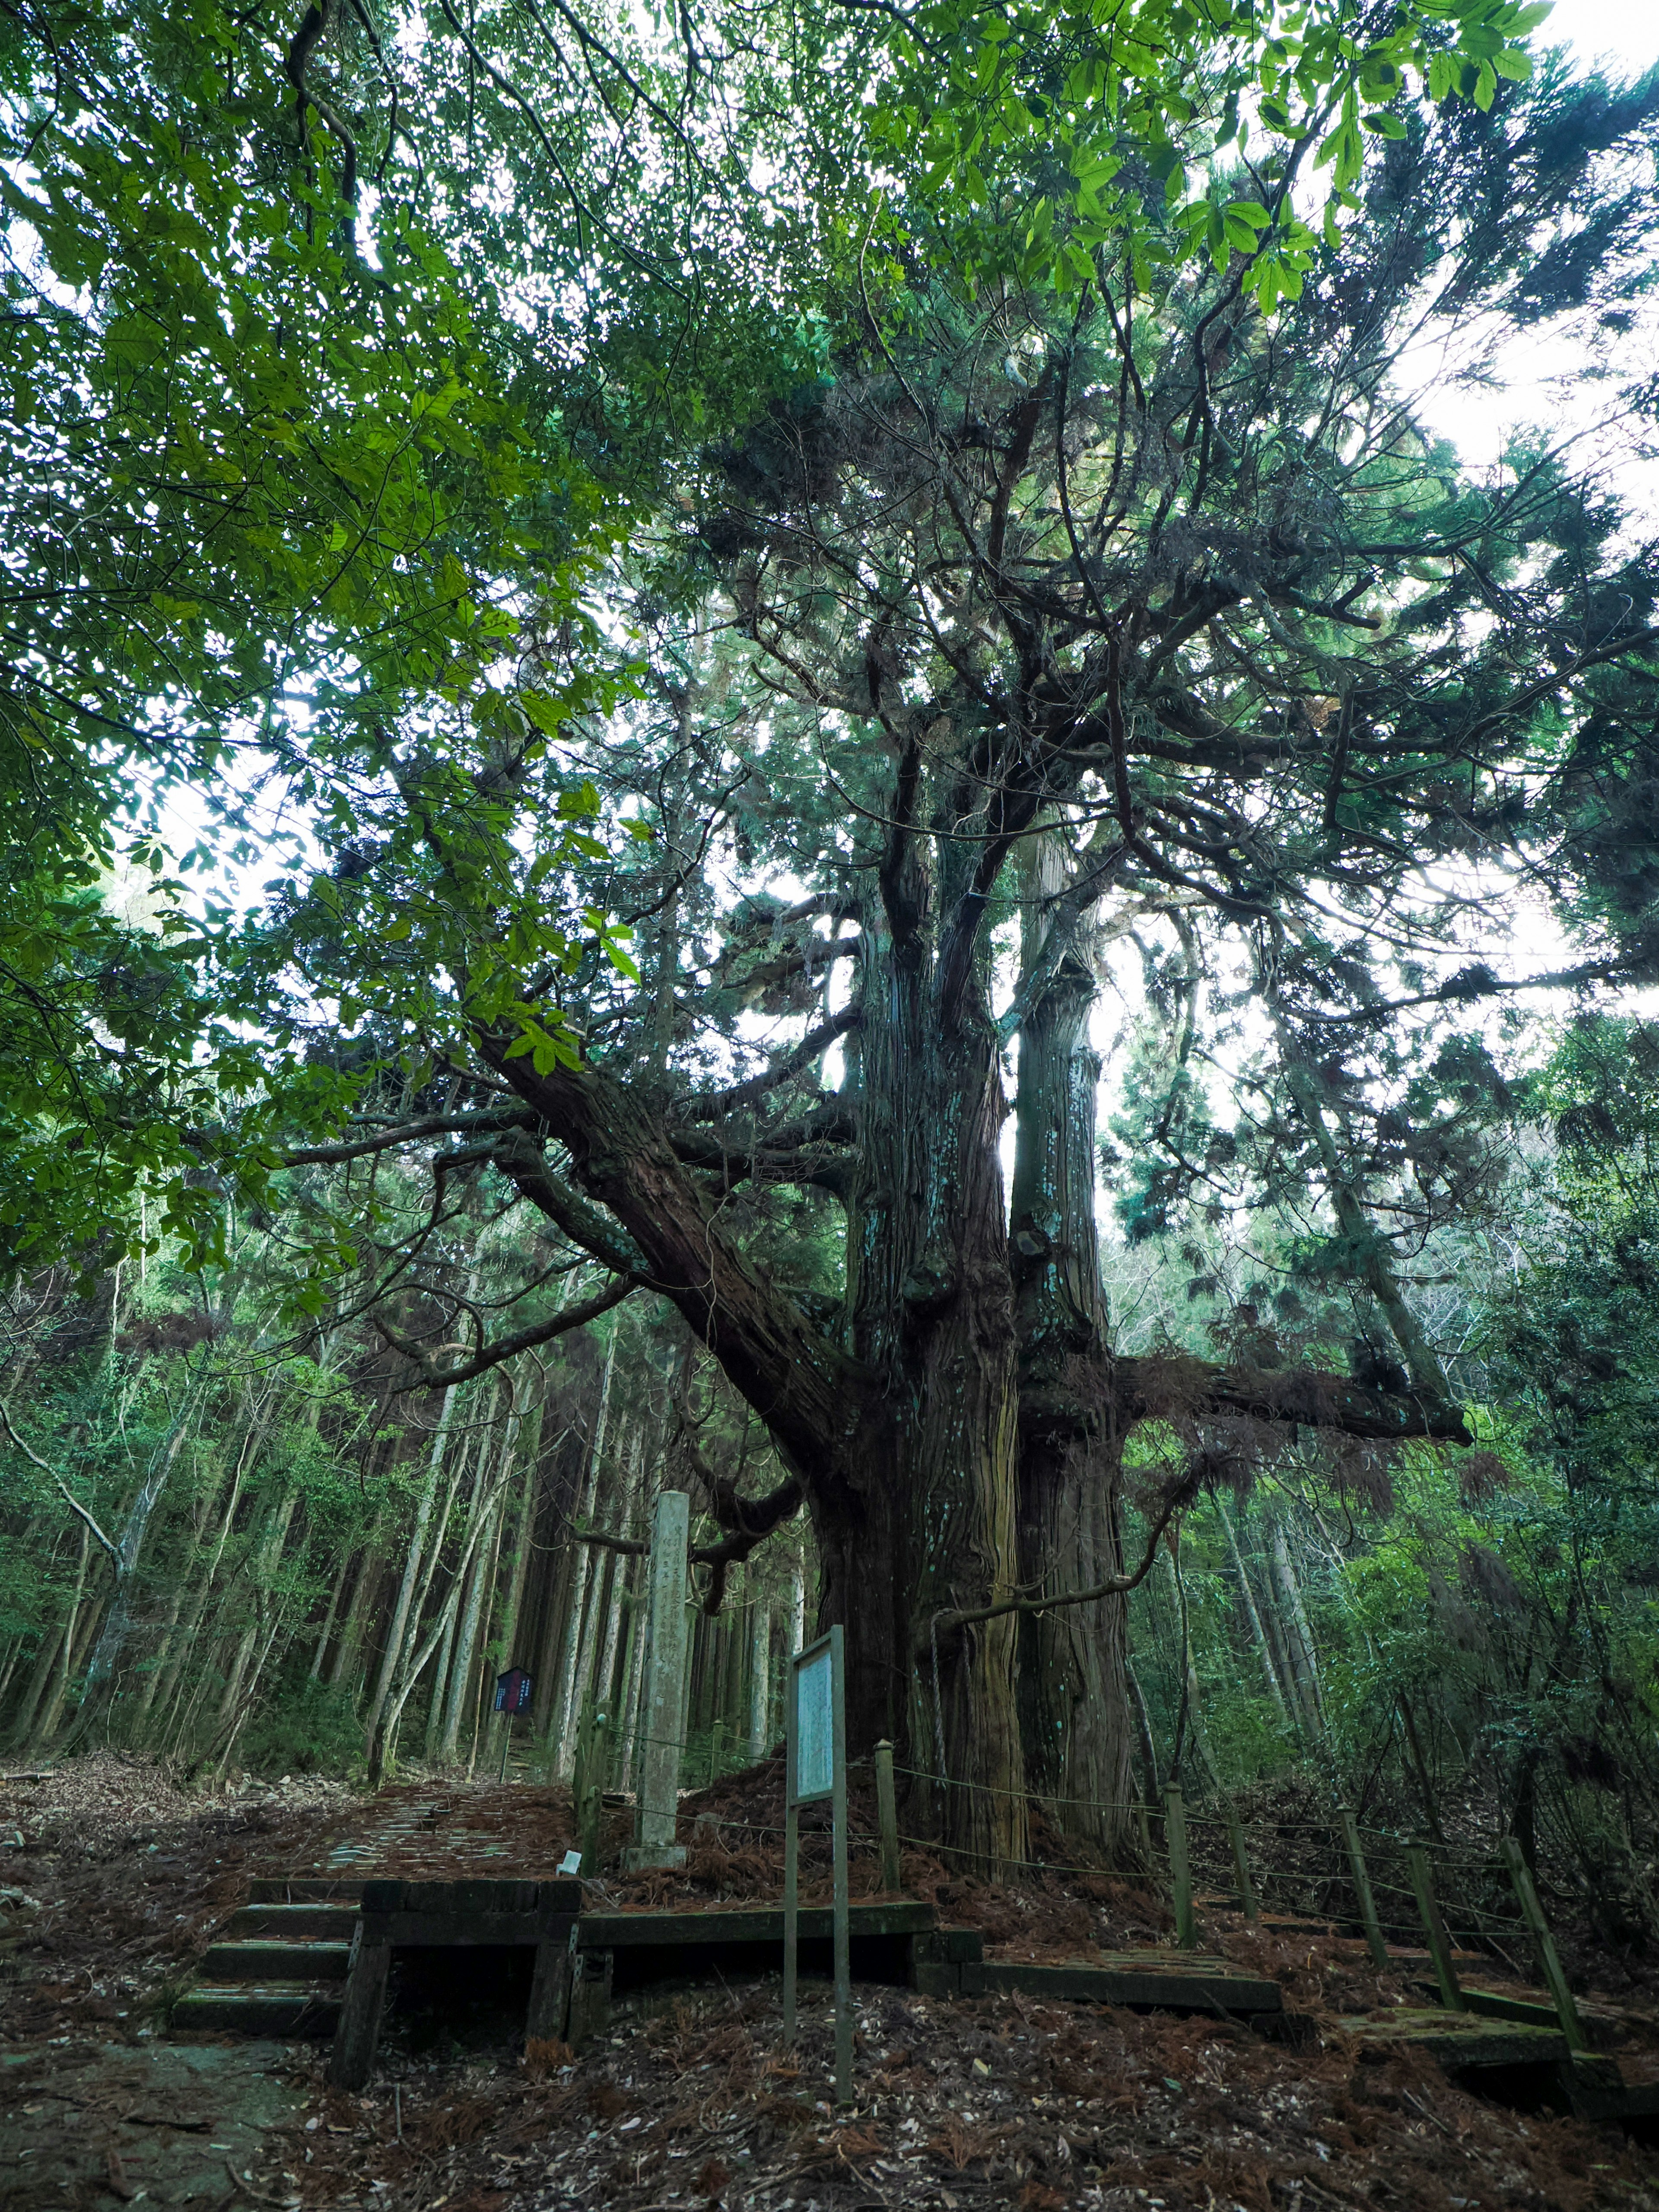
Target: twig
x=69, y=1495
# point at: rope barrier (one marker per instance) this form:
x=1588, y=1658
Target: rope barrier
x=1469, y=1874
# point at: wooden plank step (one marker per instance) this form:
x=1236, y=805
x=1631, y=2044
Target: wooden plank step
x=1459, y=2040
x=475, y=1894
x=1173, y=1984
x=1604, y=2026
x=266, y=1960
x=293, y=1923
x=258, y=2009
x=304, y=1889
x=1597, y=2091
x=612, y=1931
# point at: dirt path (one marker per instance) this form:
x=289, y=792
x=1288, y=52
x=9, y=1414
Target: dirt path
x=88, y=2122
x=117, y=1881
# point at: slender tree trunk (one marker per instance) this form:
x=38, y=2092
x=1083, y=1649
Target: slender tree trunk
x=465, y=1643
x=413, y=1561
x=102, y=1683
x=49, y=1718
x=760, y=1675
x=314, y=1673
x=371, y=1573
x=439, y=1629
x=575, y=1646
x=266, y=1561
x=506, y=1644
x=1253, y=1615
x=184, y=1644
x=50, y=1662
x=1303, y=1660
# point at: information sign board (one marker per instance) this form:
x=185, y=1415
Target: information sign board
x=815, y=1724
x=513, y=1690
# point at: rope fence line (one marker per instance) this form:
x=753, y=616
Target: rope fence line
x=1482, y=1862
x=1463, y=1908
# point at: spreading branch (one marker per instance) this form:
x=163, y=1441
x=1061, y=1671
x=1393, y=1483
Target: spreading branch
x=1148, y=1387
x=711, y=1105
x=434, y=1375
x=406, y=1133
x=941, y=1624
x=67, y=1494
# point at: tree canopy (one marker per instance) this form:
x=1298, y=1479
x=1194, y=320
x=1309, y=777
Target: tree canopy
x=623, y=630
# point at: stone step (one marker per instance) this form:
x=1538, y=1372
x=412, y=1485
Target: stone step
x=305, y=1889
x=293, y=1923
x=267, y=1961
x=272, y=2008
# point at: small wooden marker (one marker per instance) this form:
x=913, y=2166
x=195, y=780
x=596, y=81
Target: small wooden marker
x=1435, y=1928
x=1362, y=1882
x=1241, y=1863
x=1181, y=1872
x=1549, y=1959
x=592, y=1746
x=887, y=1816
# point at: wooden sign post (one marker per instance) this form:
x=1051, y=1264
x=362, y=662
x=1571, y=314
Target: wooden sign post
x=815, y=1767
x=512, y=1692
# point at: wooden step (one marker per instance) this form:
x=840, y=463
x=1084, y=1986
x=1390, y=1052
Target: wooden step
x=612, y=1931
x=305, y=1889
x=1598, y=2091
x=293, y=1923
x=267, y=1961
x=1169, y=1981
x=1459, y=2041
x=258, y=2009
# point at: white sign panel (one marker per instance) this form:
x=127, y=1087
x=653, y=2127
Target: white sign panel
x=815, y=1726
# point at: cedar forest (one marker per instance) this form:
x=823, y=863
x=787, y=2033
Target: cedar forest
x=763, y=749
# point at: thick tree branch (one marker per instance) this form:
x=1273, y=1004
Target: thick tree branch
x=710, y=1105
x=811, y=1396
x=798, y=1151
x=1147, y=1388
x=433, y=1377
x=406, y=1133
x=523, y=1161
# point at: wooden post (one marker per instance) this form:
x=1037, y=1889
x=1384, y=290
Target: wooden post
x=815, y=1767
x=549, y=2017
x=1241, y=1862
x=841, y=1945
x=1435, y=1928
x=1549, y=1959
x=791, y=1870
x=887, y=1816
x=593, y=1748
x=1181, y=1873
x=358, y=2034
x=662, y=1719
x=590, y=1994
x=1362, y=1882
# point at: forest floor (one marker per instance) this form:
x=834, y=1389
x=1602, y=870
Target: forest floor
x=111, y=1881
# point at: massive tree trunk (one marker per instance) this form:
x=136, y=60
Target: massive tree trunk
x=907, y=1437
x=930, y=1524
x=1074, y=1685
